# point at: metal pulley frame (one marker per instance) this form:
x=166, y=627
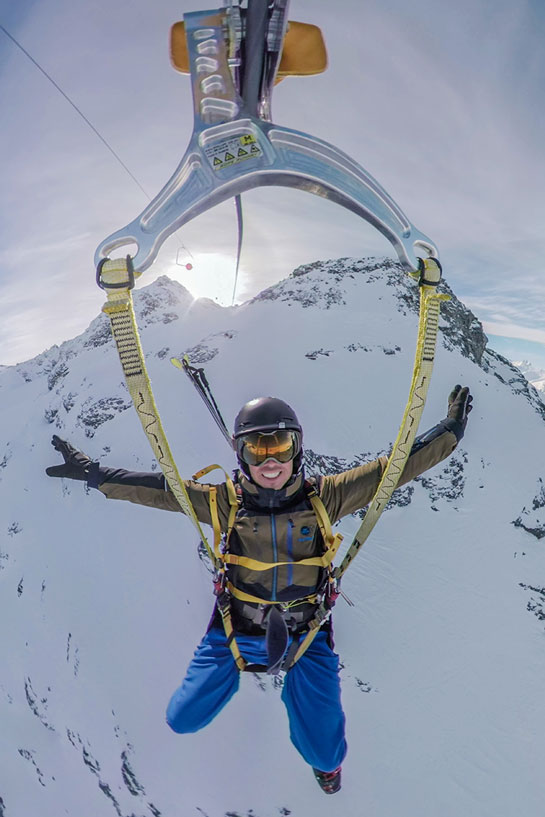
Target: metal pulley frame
x=234, y=54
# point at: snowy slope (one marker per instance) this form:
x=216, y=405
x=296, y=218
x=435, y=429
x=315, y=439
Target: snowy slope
x=103, y=602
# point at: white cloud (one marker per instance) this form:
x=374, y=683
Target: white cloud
x=510, y=330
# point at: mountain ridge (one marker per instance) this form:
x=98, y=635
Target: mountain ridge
x=442, y=658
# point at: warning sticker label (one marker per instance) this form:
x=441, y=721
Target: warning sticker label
x=227, y=152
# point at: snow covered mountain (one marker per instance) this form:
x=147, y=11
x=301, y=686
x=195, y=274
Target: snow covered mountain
x=103, y=602
x=534, y=376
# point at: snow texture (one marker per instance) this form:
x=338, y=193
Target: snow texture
x=103, y=602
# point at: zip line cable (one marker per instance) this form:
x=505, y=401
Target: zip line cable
x=85, y=119
x=78, y=110
x=238, y=203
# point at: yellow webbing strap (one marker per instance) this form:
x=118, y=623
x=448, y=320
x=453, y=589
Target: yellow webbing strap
x=428, y=327
x=314, y=629
x=223, y=604
x=327, y=534
x=255, y=564
x=213, y=499
x=242, y=596
x=119, y=309
x=225, y=613
x=233, y=505
x=331, y=541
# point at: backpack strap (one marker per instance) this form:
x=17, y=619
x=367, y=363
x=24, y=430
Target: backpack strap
x=223, y=602
x=332, y=541
x=234, y=504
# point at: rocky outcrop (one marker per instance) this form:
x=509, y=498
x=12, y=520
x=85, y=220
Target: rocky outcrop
x=532, y=518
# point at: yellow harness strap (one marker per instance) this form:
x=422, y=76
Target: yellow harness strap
x=314, y=629
x=233, y=503
x=223, y=603
x=331, y=541
x=428, y=326
x=255, y=564
x=213, y=499
x=242, y=596
x=116, y=277
x=225, y=612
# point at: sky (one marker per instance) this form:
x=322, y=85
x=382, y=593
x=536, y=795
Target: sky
x=440, y=103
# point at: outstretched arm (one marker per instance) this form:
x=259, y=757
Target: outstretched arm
x=351, y=490
x=143, y=488
x=146, y=488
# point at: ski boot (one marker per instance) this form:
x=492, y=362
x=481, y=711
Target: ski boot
x=329, y=782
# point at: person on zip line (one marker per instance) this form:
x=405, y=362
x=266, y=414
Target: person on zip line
x=274, y=584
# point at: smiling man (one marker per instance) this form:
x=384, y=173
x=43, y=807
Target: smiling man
x=275, y=575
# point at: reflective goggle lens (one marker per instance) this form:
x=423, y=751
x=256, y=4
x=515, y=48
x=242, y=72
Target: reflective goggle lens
x=255, y=448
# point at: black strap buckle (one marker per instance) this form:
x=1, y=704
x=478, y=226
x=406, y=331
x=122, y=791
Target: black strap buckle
x=423, y=281
x=124, y=285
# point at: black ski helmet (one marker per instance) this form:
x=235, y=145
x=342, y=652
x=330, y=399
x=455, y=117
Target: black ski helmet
x=267, y=414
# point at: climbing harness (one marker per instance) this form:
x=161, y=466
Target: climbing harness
x=225, y=591
x=234, y=55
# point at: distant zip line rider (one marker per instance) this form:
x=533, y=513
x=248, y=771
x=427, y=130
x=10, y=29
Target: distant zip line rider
x=274, y=578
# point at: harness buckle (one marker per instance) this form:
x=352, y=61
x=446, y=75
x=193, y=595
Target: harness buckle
x=221, y=593
x=333, y=591
x=429, y=270
x=322, y=614
x=127, y=284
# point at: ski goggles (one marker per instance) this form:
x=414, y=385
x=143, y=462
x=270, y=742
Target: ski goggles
x=255, y=448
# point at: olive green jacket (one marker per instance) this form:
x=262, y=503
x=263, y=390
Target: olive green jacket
x=276, y=526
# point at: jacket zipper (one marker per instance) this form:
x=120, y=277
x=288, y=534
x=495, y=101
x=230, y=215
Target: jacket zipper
x=275, y=557
x=291, y=526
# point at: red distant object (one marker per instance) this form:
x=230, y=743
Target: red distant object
x=189, y=266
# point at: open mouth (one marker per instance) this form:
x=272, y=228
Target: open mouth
x=271, y=474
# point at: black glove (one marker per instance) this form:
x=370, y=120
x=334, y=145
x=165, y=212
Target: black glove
x=76, y=463
x=459, y=405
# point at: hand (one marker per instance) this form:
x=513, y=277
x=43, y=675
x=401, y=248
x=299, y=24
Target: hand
x=459, y=404
x=76, y=463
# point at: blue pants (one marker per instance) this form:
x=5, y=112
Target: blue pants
x=311, y=694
